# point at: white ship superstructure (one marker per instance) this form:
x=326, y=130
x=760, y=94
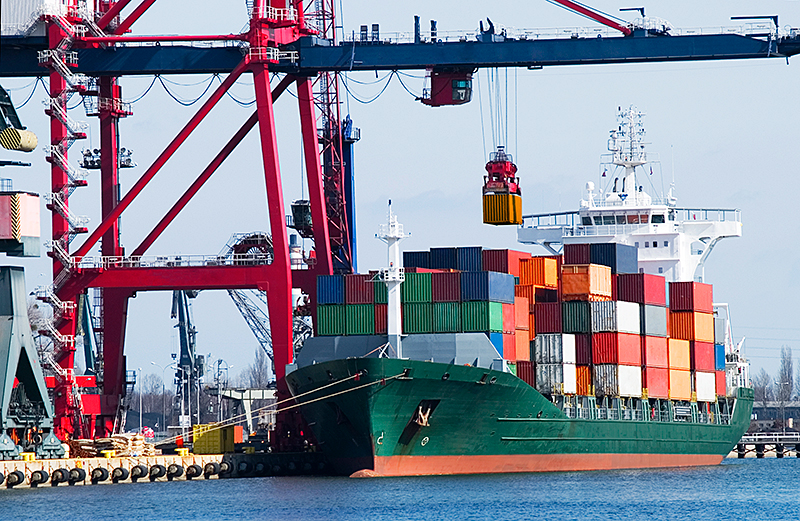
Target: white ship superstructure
x=673, y=242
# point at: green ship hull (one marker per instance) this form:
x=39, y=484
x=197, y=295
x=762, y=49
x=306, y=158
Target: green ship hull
x=393, y=417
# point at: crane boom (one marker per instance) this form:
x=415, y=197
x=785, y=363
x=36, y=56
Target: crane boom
x=595, y=15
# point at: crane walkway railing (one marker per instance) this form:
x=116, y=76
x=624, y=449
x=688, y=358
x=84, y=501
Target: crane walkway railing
x=176, y=261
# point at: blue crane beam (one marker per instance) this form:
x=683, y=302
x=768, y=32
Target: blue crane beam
x=19, y=56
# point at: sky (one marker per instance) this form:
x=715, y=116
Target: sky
x=723, y=128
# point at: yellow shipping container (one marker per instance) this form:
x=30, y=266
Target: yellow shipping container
x=691, y=325
x=586, y=282
x=539, y=271
x=210, y=439
x=680, y=384
x=502, y=209
x=678, y=357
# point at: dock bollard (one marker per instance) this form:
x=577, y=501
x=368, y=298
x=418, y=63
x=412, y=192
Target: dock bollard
x=59, y=476
x=119, y=474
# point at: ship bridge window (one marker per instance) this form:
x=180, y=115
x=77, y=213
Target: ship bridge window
x=658, y=218
x=671, y=215
x=608, y=219
x=620, y=219
x=586, y=220
x=633, y=219
x=643, y=218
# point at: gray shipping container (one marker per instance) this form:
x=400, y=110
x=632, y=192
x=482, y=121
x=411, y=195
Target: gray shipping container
x=654, y=321
x=720, y=326
x=617, y=380
x=549, y=378
x=615, y=317
x=604, y=316
x=547, y=348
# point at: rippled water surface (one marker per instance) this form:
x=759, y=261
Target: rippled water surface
x=737, y=489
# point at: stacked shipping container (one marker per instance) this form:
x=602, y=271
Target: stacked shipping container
x=593, y=326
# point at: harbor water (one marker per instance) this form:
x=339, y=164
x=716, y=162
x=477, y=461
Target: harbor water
x=737, y=489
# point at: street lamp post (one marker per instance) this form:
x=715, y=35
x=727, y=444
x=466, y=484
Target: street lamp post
x=163, y=394
x=141, y=427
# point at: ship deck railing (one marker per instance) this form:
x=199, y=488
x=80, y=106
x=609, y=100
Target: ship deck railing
x=603, y=413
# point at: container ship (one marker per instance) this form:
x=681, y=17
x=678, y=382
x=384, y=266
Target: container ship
x=608, y=353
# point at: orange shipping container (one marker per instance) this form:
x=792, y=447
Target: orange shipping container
x=680, y=384
x=539, y=271
x=584, y=380
x=521, y=313
x=679, y=354
x=531, y=327
x=691, y=325
x=586, y=282
x=523, y=345
x=528, y=292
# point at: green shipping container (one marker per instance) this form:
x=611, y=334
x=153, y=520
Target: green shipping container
x=381, y=294
x=331, y=320
x=446, y=317
x=417, y=317
x=512, y=368
x=481, y=316
x=576, y=317
x=417, y=287
x=360, y=319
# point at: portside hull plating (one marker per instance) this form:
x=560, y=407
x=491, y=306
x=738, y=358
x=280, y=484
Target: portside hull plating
x=482, y=421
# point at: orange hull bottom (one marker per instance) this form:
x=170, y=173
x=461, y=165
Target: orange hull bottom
x=433, y=465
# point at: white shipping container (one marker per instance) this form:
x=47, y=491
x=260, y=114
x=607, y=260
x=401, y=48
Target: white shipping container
x=556, y=378
x=628, y=317
x=720, y=326
x=705, y=386
x=570, y=379
x=17, y=16
x=568, y=349
x=554, y=348
x=618, y=380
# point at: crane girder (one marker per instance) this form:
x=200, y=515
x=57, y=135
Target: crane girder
x=317, y=55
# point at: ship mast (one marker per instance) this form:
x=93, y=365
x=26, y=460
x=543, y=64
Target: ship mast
x=393, y=277
x=627, y=150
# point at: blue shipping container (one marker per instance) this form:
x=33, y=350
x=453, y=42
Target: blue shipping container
x=417, y=259
x=719, y=357
x=444, y=259
x=621, y=258
x=470, y=258
x=497, y=341
x=330, y=289
x=487, y=285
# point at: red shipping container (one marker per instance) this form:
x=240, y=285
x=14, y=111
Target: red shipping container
x=509, y=318
x=722, y=388
x=526, y=373
x=656, y=381
x=521, y=313
x=381, y=318
x=642, y=288
x=547, y=317
x=614, y=286
x=691, y=296
x=616, y=348
x=358, y=289
x=510, y=346
x=654, y=351
x=504, y=261
x=702, y=356
x=577, y=254
x=531, y=326
x=584, y=377
x=446, y=287
x=583, y=350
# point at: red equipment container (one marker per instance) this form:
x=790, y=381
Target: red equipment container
x=504, y=261
x=655, y=352
x=691, y=296
x=642, y=288
x=358, y=289
x=584, y=378
x=577, y=254
x=722, y=389
x=702, y=356
x=656, y=381
x=509, y=319
x=381, y=311
x=521, y=313
x=526, y=373
x=446, y=287
x=583, y=350
x=547, y=317
x=616, y=348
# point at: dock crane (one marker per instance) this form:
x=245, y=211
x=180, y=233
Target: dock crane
x=83, y=43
